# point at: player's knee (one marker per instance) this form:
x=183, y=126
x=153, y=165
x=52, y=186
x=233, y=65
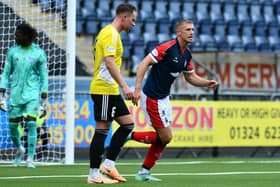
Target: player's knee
x=31, y=124
x=128, y=128
x=102, y=131
x=164, y=140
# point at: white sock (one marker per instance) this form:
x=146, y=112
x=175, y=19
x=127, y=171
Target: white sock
x=143, y=171
x=109, y=163
x=94, y=172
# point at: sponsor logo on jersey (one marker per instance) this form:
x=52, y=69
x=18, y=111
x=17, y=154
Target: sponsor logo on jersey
x=175, y=60
x=110, y=49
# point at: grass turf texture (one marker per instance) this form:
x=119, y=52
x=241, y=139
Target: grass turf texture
x=174, y=173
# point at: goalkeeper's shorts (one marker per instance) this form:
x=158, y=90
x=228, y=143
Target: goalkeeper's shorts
x=27, y=109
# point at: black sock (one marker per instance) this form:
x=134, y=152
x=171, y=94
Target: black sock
x=118, y=140
x=96, y=149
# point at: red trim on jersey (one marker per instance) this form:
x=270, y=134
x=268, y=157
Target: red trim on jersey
x=162, y=48
x=152, y=109
x=190, y=66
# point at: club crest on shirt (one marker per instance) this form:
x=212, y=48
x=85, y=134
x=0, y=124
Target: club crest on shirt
x=16, y=59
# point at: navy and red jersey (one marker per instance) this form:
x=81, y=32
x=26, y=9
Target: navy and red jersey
x=170, y=61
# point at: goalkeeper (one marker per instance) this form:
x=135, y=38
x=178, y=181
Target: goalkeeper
x=26, y=63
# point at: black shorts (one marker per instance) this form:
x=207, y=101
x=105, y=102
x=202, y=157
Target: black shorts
x=107, y=107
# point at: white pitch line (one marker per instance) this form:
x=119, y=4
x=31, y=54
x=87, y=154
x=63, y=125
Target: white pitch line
x=206, y=162
x=155, y=174
x=197, y=162
x=162, y=163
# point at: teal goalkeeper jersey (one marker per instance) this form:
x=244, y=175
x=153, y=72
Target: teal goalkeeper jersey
x=27, y=68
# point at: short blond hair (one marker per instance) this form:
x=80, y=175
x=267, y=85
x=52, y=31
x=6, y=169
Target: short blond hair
x=183, y=21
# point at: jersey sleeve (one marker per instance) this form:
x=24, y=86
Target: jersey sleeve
x=159, y=52
x=189, y=67
x=110, y=43
x=43, y=69
x=7, y=70
x=188, y=64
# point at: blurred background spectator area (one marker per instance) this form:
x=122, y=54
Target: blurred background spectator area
x=220, y=25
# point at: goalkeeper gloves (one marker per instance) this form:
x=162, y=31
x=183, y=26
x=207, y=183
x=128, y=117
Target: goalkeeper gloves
x=3, y=104
x=43, y=106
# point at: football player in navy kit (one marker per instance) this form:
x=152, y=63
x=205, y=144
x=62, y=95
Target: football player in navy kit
x=168, y=60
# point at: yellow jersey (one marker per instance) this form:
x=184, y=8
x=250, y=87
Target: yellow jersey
x=107, y=43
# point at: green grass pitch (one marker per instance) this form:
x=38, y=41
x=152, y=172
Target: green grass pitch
x=173, y=172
